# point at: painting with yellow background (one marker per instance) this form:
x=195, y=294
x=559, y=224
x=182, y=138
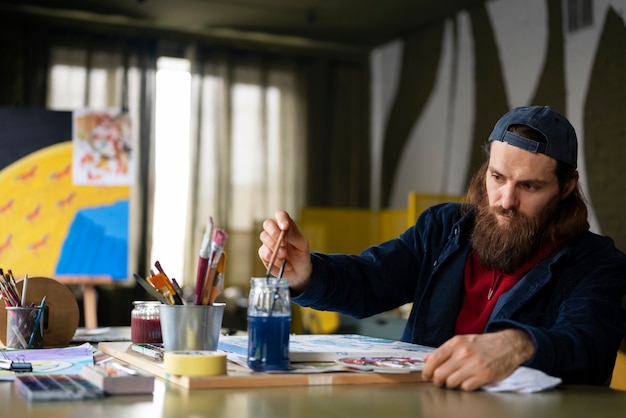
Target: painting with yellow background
x=49, y=226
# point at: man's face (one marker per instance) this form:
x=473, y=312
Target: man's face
x=522, y=195
x=519, y=182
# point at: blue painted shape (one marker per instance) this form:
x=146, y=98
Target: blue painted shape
x=97, y=243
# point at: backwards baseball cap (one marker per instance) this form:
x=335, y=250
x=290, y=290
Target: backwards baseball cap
x=561, y=142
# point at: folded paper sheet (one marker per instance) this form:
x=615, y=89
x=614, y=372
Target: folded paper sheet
x=524, y=380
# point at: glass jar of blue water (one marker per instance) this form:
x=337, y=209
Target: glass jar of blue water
x=269, y=322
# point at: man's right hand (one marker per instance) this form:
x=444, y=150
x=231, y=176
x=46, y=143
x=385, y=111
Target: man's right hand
x=294, y=248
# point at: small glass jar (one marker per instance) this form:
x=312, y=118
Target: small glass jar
x=145, y=322
x=269, y=320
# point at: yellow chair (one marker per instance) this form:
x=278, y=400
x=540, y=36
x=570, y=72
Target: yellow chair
x=350, y=231
x=391, y=223
x=319, y=322
x=339, y=230
x=618, y=380
x=419, y=202
x=333, y=230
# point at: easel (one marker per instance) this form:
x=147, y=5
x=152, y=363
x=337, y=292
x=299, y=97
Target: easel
x=90, y=304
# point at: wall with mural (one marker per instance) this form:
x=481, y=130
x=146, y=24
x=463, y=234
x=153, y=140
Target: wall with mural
x=437, y=93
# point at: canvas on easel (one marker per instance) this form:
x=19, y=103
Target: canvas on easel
x=49, y=225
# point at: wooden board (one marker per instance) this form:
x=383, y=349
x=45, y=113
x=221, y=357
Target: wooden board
x=238, y=376
x=63, y=312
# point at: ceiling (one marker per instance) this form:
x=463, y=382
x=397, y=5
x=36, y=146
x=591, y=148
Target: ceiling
x=358, y=24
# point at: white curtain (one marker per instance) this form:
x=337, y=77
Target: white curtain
x=248, y=156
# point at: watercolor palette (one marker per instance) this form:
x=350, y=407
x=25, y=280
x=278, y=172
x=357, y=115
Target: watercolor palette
x=383, y=364
x=56, y=387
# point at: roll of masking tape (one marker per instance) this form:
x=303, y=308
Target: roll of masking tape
x=194, y=363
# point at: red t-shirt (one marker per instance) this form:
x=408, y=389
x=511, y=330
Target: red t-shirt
x=483, y=287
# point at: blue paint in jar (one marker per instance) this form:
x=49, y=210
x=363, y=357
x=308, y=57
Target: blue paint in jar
x=268, y=342
x=269, y=324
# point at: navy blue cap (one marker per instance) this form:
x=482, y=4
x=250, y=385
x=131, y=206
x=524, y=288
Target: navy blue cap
x=561, y=142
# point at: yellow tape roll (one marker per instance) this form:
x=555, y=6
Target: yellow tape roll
x=195, y=363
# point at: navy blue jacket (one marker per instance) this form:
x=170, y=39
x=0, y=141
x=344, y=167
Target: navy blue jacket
x=570, y=303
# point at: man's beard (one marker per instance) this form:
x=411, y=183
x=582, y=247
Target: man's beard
x=505, y=247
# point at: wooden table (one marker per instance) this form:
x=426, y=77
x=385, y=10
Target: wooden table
x=397, y=399
x=362, y=401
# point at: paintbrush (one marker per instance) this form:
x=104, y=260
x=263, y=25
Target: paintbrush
x=158, y=282
x=274, y=254
x=150, y=289
x=217, y=249
x=203, y=262
x=178, y=299
x=218, y=280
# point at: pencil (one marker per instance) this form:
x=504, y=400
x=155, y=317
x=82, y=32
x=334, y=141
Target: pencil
x=37, y=322
x=24, y=289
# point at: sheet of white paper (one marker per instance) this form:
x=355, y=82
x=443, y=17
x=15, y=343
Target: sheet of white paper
x=66, y=360
x=524, y=380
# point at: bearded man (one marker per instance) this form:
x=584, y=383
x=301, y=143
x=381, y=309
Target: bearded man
x=512, y=277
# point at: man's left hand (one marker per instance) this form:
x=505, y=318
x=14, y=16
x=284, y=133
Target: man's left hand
x=471, y=361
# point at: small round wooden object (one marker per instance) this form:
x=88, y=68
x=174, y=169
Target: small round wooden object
x=63, y=312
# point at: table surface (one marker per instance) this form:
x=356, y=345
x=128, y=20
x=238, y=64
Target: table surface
x=362, y=401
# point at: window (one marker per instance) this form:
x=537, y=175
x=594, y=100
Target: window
x=171, y=160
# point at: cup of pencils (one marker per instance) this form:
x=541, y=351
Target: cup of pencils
x=25, y=326
x=192, y=323
x=191, y=327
